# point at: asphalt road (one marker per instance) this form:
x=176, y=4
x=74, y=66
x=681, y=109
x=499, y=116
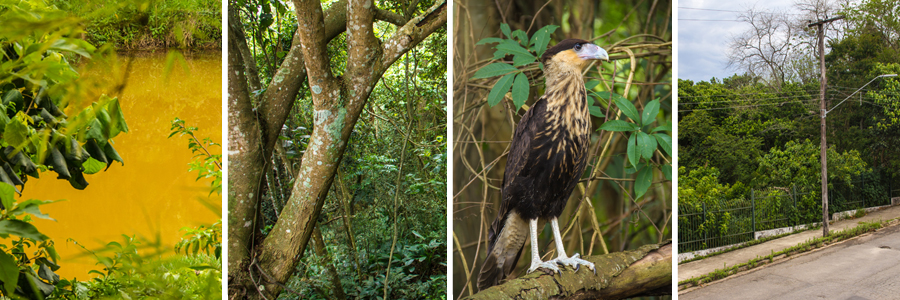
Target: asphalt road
x=866, y=267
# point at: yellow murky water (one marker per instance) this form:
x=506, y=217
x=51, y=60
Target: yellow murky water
x=152, y=195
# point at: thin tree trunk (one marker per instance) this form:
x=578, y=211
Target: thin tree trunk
x=335, y=279
x=348, y=224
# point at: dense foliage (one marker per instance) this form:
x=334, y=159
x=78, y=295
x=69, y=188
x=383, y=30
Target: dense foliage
x=745, y=133
x=387, y=202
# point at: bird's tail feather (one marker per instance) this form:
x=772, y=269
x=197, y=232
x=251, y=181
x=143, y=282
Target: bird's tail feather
x=505, y=242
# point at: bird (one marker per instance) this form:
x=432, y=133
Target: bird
x=547, y=156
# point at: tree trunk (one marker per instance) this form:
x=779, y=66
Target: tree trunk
x=335, y=279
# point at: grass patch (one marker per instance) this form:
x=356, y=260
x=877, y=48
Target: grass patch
x=863, y=227
x=145, y=24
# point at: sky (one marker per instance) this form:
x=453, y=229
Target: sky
x=703, y=45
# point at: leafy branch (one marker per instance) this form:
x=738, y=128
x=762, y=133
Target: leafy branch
x=208, y=165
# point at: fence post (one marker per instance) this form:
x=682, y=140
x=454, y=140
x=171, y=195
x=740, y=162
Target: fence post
x=706, y=228
x=794, y=197
x=753, y=211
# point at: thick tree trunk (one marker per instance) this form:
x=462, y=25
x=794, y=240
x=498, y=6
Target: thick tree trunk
x=245, y=157
x=646, y=271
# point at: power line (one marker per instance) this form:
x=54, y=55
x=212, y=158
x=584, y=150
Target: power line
x=746, y=106
x=736, y=11
x=747, y=100
x=709, y=9
x=746, y=94
x=770, y=104
x=709, y=20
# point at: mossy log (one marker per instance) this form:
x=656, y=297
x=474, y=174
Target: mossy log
x=646, y=271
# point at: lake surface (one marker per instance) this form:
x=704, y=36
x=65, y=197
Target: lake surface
x=153, y=195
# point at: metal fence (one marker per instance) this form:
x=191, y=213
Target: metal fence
x=867, y=190
x=730, y=221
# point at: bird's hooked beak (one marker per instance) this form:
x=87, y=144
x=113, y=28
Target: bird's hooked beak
x=591, y=51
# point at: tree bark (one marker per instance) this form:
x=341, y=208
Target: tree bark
x=337, y=102
x=245, y=157
x=646, y=271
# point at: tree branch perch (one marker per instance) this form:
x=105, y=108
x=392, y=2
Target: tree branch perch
x=646, y=271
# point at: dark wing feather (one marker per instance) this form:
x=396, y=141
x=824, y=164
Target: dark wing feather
x=494, y=269
x=516, y=162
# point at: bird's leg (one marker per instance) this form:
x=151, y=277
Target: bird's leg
x=562, y=259
x=535, y=257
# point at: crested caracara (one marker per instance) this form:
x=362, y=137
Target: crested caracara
x=547, y=156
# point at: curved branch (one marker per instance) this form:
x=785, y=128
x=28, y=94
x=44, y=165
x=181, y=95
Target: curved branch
x=646, y=271
x=416, y=30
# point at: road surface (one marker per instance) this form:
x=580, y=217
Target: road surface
x=867, y=267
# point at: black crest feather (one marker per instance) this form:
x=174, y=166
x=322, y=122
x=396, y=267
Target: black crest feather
x=560, y=47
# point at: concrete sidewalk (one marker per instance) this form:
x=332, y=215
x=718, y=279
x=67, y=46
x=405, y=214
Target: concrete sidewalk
x=739, y=256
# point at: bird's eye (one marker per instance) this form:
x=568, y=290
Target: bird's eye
x=578, y=47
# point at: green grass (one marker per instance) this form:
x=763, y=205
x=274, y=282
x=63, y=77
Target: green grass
x=863, y=227
x=149, y=24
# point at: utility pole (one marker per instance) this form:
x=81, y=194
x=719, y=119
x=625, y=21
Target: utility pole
x=820, y=25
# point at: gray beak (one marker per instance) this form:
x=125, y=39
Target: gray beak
x=591, y=51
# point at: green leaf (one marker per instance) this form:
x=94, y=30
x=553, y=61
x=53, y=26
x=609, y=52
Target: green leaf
x=32, y=207
x=521, y=60
x=77, y=46
x=597, y=112
x=520, y=90
x=489, y=40
x=666, y=127
x=494, y=69
x=649, y=113
x=9, y=272
x=22, y=229
x=627, y=108
x=632, y=150
x=117, y=118
x=591, y=84
x=499, y=90
x=43, y=287
x=92, y=166
x=112, y=155
x=506, y=31
x=646, y=144
x=541, y=38
x=605, y=96
x=95, y=131
x=643, y=181
x=16, y=132
x=13, y=96
x=665, y=141
x=618, y=125
x=7, y=195
x=511, y=47
x=667, y=171
x=521, y=36
x=47, y=274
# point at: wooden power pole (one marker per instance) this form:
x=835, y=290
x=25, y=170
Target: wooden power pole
x=820, y=25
